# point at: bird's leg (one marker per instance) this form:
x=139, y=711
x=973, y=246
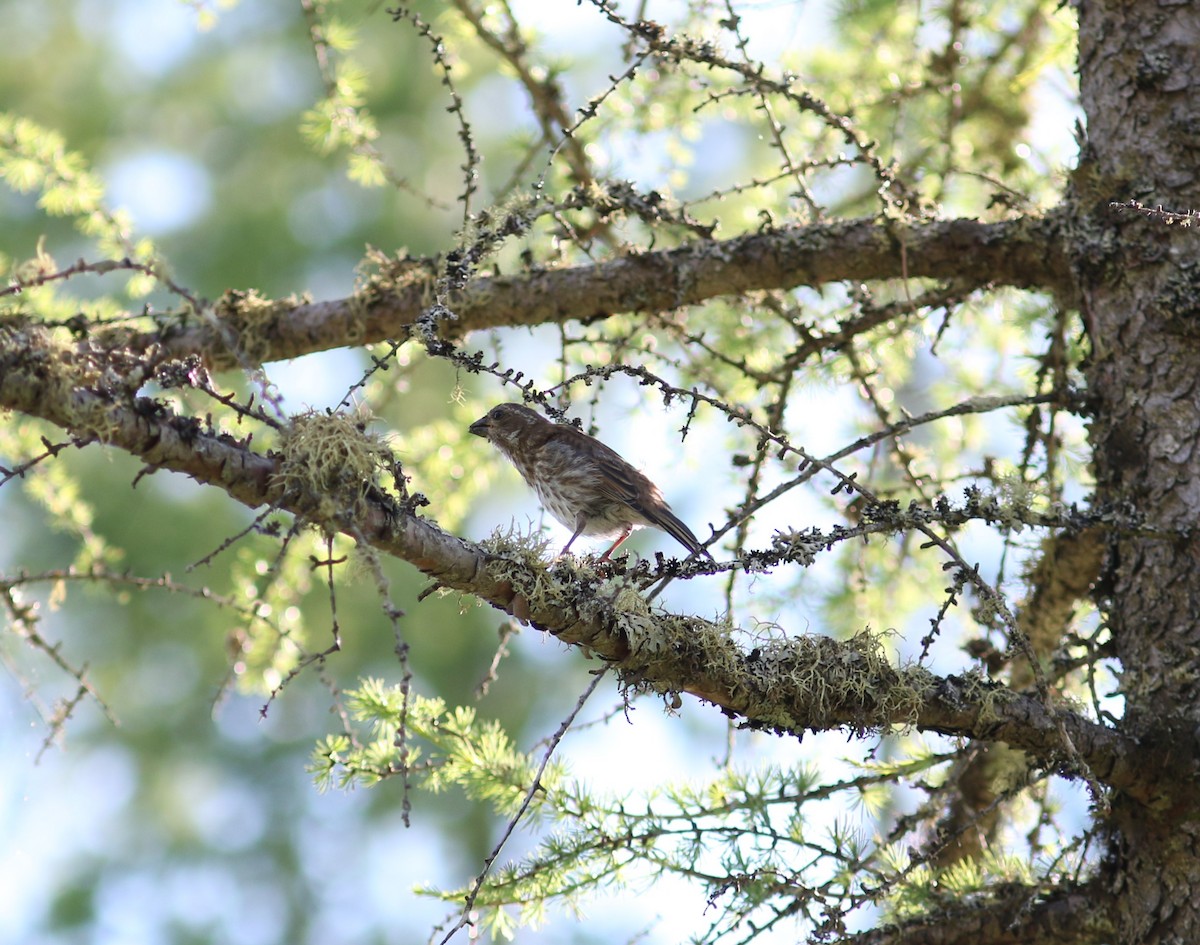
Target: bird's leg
x=623, y=536
x=580, y=524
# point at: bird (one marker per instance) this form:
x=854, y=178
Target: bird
x=584, y=484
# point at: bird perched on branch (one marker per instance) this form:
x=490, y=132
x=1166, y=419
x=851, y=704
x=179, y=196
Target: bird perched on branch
x=581, y=482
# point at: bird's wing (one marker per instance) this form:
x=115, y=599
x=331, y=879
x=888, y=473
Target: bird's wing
x=620, y=480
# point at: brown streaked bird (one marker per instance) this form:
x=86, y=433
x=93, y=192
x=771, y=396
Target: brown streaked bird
x=581, y=482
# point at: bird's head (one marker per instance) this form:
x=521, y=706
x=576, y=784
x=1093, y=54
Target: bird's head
x=506, y=423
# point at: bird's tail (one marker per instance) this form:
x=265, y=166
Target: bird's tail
x=670, y=523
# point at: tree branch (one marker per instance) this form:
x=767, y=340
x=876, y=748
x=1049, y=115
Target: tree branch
x=1019, y=916
x=1024, y=253
x=788, y=684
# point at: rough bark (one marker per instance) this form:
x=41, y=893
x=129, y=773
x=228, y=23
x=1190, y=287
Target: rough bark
x=1140, y=74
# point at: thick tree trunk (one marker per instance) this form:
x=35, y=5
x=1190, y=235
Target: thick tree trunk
x=1139, y=285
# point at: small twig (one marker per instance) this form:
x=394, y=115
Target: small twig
x=465, y=916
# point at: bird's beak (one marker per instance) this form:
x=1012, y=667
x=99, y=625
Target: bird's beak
x=480, y=427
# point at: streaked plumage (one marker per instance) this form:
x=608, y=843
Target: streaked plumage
x=581, y=482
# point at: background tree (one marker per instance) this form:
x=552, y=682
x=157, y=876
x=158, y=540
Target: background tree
x=929, y=399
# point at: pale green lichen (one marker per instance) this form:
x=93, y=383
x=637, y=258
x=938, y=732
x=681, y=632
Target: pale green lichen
x=247, y=319
x=787, y=682
x=819, y=682
x=330, y=463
